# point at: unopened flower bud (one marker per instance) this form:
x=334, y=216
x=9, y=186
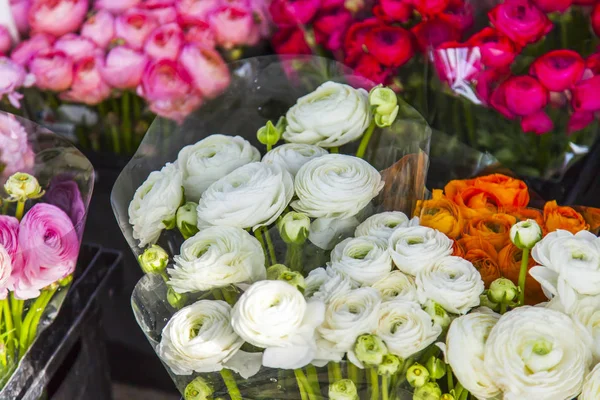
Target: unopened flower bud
x=438, y=314
x=187, y=219
x=268, y=134
x=389, y=365
x=385, y=120
x=385, y=105
x=343, y=389
x=176, y=300
x=447, y=396
x=436, y=368
x=429, y=391
x=153, y=260
x=503, y=291
x=275, y=271
x=293, y=227
x=525, y=234
x=484, y=301
x=293, y=278
x=198, y=389
x=22, y=186
x=370, y=349
x=417, y=375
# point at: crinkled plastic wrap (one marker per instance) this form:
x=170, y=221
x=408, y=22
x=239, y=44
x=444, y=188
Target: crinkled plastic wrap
x=67, y=178
x=264, y=89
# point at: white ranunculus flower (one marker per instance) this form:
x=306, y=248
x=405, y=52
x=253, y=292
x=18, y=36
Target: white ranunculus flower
x=155, y=203
x=396, y=285
x=365, y=259
x=333, y=284
x=452, y=282
x=325, y=233
x=465, y=348
x=417, y=247
x=569, y=265
x=591, y=385
x=384, y=224
x=348, y=316
x=199, y=338
x=534, y=353
x=210, y=159
x=215, y=257
x=333, y=115
x=252, y=196
x=292, y=156
x=335, y=186
x=274, y=315
x=405, y=327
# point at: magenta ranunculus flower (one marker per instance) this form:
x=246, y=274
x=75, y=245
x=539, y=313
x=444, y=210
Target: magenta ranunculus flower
x=521, y=21
x=330, y=27
x=134, y=27
x=49, y=245
x=10, y=257
x=5, y=40
x=76, y=47
x=165, y=42
x=579, y=120
x=88, y=86
x=549, y=6
x=12, y=77
x=65, y=194
x=123, y=67
x=289, y=13
x=20, y=11
x=115, y=6
x=538, y=123
x=53, y=70
x=57, y=17
x=234, y=25
x=25, y=50
x=198, y=32
x=585, y=95
x=525, y=95
x=209, y=72
x=497, y=50
x=558, y=70
x=16, y=154
x=196, y=10
x=99, y=28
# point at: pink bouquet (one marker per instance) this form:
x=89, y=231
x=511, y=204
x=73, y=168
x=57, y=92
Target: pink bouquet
x=169, y=53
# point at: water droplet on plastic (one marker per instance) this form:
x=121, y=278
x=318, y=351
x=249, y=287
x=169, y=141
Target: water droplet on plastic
x=273, y=379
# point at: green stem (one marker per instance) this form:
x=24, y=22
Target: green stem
x=301, y=387
x=353, y=373
x=336, y=371
x=334, y=150
x=450, y=377
x=269, y=147
x=16, y=307
x=126, y=120
x=3, y=354
x=5, y=207
x=270, y=245
x=218, y=294
x=232, y=387
x=362, y=148
x=38, y=315
x=313, y=380
x=374, y=383
x=470, y=123
x=523, y=276
x=20, y=209
x=113, y=129
x=301, y=378
x=294, y=257
x=258, y=235
x=502, y=308
x=10, y=338
x=384, y=387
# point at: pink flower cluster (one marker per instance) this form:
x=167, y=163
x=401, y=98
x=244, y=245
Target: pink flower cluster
x=166, y=50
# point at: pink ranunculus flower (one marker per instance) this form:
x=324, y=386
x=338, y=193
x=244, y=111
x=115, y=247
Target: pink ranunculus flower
x=123, y=67
x=198, y=32
x=20, y=12
x=162, y=14
x=88, y=86
x=6, y=268
x=209, y=72
x=165, y=80
x=25, y=50
x=99, y=28
x=12, y=77
x=165, y=42
x=5, y=40
x=49, y=244
x=53, y=70
x=10, y=257
x=233, y=26
x=196, y=9
x=177, y=108
x=115, y=6
x=64, y=193
x=16, y=154
x=57, y=17
x=76, y=47
x=134, y=27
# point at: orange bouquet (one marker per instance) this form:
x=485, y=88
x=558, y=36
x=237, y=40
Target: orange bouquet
x=478, y=214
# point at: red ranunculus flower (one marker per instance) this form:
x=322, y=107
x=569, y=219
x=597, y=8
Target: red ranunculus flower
x=596, y=19
x=487, y=82
x=290, y=41
x=538, y=123
x=558, y=70
x=393, y=10
x=579, y=120
x=459, y=14
x=549, y=6
x=434, y=32
x=521, y=21
x=368, y=67
x=497, y=50
x=330, y=26
x=355, y=39
x=391, y=45
x=288, y=13
x=524, y=95
x=586, y=95
x=430, y=7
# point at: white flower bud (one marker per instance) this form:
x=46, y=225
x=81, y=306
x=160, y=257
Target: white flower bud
x=525, y=234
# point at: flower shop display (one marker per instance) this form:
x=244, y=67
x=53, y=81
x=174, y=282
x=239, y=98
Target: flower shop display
x=125, y=60
x=293, y=275
x=47, y=185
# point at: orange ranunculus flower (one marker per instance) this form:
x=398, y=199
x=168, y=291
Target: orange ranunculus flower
x=441, y=214
x=457, y=249
x=509, y=260
x=494, y=229
x=453, y=188
x=510, y=191
x=591, y=216
x=483, y=256
x=522, y=214
x=474, y=202
x=557, y=217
